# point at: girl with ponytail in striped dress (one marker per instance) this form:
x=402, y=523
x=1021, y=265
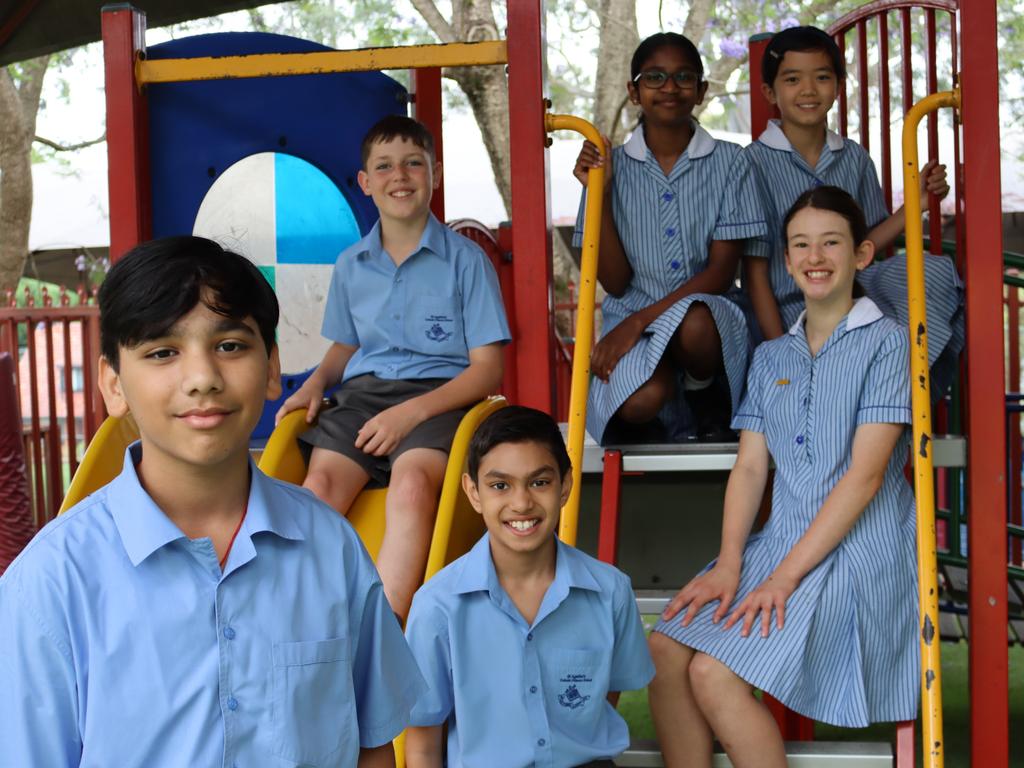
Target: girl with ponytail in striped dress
x=819, y=608
x=680, y=206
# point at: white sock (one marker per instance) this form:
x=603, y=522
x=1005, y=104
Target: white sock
x=691, y=384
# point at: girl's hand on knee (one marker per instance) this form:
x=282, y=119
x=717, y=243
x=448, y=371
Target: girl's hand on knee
x=592, y=157
x=614, y=346
x=717, y=584
x=771, y=594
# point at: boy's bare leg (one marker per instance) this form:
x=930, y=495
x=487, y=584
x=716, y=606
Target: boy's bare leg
x=683, y=733
x=411, y=507
x=334, y=478
x=744, y=726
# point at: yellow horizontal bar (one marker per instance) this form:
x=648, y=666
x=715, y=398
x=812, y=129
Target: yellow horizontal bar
x=320, y=62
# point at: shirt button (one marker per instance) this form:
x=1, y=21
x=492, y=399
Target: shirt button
x=670, y=231
x=529, y=636
x=229, y=633
x=799, y=439
x=232, y=703
x=667, y=197
x=674, y=264
x=395, y=316
x=533, y=689
x=541, y=742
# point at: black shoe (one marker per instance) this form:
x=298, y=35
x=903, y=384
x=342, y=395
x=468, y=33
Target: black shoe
x=712, y=409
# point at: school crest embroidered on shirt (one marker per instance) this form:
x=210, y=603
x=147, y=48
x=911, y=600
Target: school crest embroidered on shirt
x=437, y=332
x=572, y=698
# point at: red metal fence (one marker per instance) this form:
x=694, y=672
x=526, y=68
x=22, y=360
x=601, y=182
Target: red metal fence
x=55, y=347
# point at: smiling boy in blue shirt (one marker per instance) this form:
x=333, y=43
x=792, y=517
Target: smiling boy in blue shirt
x=194, y=611
x=416, y=321
x=524, y=641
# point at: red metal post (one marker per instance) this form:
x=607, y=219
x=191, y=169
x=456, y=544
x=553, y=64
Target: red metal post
x=986, y=445
x=885, y=108
x=124, y=38
x=611, y=498
x=531, y=219
x=905, y=744
x=907, y=59
x=427, y=109
x=863, y=80
x=761, y=110
x=843, y=111
x=1013, y=345
x=16, y=523
x=934, y=215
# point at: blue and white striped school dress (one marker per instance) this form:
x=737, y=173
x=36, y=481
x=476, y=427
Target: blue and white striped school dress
x=782, y=175
x=666, y=225
x=848, y=652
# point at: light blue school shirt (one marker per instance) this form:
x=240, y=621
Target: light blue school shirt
x=123, y=644
x=515, y=694
x=782, y=175
x=418, y=320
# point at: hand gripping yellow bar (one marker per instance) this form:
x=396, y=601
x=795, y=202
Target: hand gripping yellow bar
x=584, y=319
x=921, y=403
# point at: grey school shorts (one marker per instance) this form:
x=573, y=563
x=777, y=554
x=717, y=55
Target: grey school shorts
x=359, y=400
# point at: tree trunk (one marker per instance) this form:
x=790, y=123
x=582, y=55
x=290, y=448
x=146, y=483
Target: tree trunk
x=617, y=41
x=19, y=104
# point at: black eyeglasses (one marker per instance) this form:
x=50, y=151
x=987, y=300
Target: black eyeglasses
x=655, y=79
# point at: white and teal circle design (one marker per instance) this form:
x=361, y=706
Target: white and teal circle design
x=291, y=220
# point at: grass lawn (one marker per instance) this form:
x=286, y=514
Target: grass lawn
x=956, y=713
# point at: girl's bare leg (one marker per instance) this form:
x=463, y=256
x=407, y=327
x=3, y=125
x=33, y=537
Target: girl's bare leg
x=683, y=733
x=743, y=725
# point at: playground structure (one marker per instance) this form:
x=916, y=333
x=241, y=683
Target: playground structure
x=534, y=358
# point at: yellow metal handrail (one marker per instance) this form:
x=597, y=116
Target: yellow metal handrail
x=320, y=62
x=585, y=320
x=921, y=403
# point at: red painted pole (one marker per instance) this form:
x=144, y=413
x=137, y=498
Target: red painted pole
x=986, y=444
x=16, y=524
x=428, y=110
x=611, y=504
x=531, y=219
x=124, y=37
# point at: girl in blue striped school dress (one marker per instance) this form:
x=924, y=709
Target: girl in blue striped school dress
x=802, y=69
x=671, y=240
x=819, y=608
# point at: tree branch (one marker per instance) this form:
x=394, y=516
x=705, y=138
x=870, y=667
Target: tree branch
x=70, y=147
x=435, y=20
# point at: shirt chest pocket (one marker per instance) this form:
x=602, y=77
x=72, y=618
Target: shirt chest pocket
x=314, y=714
x=433, y=325
x=575, y=683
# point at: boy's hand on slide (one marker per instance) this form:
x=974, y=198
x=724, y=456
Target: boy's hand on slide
x=933, y=179
x=592, y=157
x=381, y=435
x=615, y=345
x=309, y=396
x=717, y=584
x=771, y=593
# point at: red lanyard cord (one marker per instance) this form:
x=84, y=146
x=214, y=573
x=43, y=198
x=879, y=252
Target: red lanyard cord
x=234, y=535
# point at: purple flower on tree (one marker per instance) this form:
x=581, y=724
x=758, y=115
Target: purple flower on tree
x=732, y=48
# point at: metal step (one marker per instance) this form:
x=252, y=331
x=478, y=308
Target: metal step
x=800, y=754
x=652, y=602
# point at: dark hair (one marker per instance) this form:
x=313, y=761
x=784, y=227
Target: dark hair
x=397, y=127
x=802, y=39
x=836, y=200
x=517, y=424
x=647, y=47
x=158, y=282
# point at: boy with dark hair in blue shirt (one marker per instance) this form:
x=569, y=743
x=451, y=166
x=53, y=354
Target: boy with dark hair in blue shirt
x=195, y=611
x=524, y=641
x=417, y=323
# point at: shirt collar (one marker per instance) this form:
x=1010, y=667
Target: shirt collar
x=774, y=137
x=432, y=239
x=478, y=574
x=144, y=528
x=864, y=312
x=701, y=143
